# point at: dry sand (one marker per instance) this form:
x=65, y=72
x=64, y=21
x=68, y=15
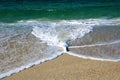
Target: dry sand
x=67, y=67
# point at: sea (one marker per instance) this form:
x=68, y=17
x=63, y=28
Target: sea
x=35, y=31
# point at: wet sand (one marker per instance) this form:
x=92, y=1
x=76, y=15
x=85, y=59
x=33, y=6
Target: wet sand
x=67, y=67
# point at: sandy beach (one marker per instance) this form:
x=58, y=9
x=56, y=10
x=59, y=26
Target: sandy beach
x=67, y=67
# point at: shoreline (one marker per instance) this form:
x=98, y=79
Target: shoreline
x=24, y=67
x=67, y=67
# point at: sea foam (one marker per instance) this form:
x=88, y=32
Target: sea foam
x=55, y=33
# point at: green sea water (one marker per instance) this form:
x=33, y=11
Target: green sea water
x=12, y=10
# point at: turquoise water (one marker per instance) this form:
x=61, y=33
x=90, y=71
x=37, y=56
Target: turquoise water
x=11, y=11
x=32, y=32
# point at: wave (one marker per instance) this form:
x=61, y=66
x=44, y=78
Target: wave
x=58, y=33
x=61, y=32
x=75, y=29
x=51, y=38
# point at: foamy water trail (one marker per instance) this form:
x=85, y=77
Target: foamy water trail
x=92, y=58
x=93, y=45
x=95, y=57
x=49, y=41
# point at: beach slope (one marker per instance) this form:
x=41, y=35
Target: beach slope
x=67, y=67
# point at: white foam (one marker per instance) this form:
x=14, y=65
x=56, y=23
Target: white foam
x=75, y=29
x=57, y=33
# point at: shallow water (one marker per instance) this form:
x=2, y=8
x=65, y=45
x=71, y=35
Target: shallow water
x=27, y=43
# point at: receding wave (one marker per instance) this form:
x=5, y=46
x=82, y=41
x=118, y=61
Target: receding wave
x=27, y=43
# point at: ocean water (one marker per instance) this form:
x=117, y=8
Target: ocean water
x=32, y=32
